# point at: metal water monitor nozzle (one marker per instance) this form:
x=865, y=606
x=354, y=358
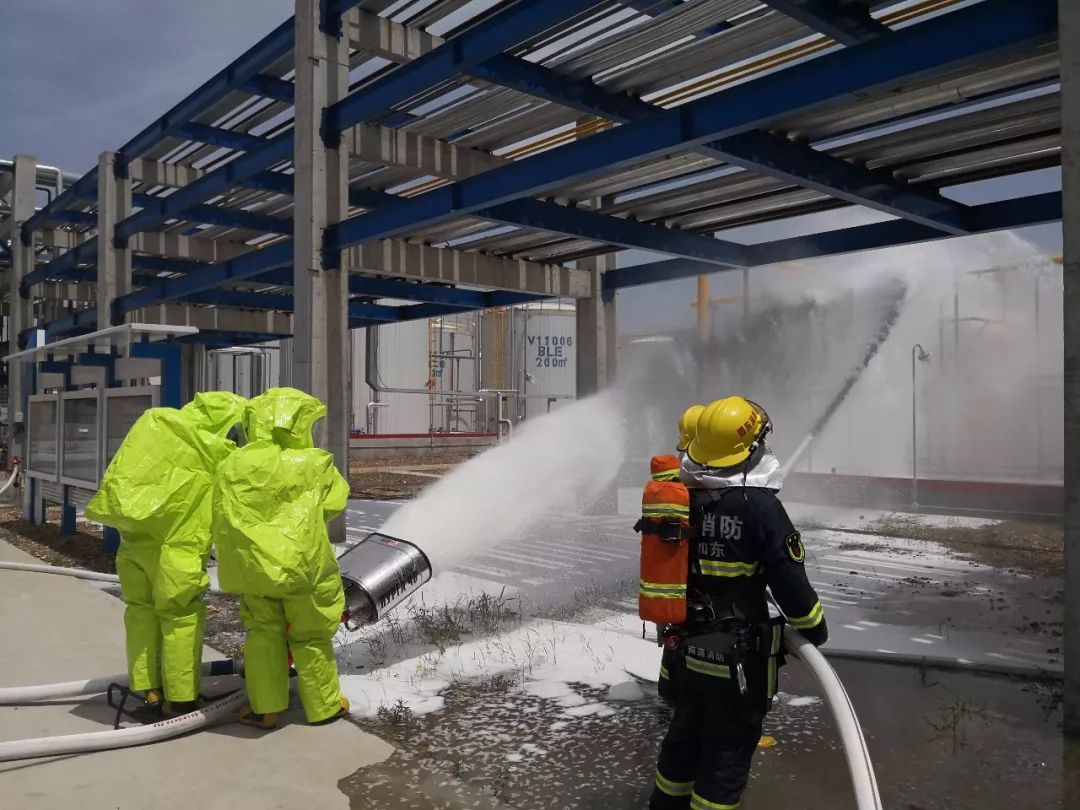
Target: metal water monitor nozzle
x=378, y=574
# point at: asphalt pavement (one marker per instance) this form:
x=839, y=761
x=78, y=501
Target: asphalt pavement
x=882, y=595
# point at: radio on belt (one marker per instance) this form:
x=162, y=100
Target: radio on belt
x=378, y=573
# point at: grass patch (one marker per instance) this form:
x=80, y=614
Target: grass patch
x=396, y=714
x=953, y=721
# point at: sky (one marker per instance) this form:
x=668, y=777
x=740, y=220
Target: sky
x=83, y=77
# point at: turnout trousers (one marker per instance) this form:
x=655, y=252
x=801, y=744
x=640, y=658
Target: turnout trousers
x=704, y=761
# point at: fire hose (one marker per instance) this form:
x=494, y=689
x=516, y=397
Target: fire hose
x=847, y=722
x=378, y=574
x=120, y=738
x=77, y=573
x=18, y=695
x=14, y=477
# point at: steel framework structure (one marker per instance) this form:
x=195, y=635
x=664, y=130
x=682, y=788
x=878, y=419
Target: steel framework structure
x=371, y=162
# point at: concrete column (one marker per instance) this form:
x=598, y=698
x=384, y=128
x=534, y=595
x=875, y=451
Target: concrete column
x=596, y=331
x=322, y=361
x=21, y=314
x=1069, y=20
x=113, y=263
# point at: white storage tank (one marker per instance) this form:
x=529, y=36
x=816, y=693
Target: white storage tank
x=545, y=336
x=403, y=364
x=531, y=349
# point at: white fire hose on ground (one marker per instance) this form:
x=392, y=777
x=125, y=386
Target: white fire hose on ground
x=113, y=738
x=41, y=568
x=77, y=573
x=19, y=695
x=120, y=738
x=847, y=722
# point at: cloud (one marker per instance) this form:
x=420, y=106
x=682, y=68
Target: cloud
x=86, y=77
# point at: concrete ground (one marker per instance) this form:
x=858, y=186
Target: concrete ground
x=58, y=629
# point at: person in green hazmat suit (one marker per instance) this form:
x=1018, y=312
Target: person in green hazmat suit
x=157, y=492
x=272, y=500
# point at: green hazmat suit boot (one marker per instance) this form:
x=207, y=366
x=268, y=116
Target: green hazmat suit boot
x=272, y=500
x=157, y=492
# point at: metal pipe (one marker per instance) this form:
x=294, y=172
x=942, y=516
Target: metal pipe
x=917, y=353
x=371, y=371
x=59, y=179
x=371, y=406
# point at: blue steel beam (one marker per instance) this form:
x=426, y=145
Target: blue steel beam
x=250, y=64
x=61, y=267
x=1033, y=210
x=330, y=12
x=217, y=339
x=233, y=218
x=283, y=184
x=75, y=217
x=209, y=185
x=801, y=165
x=241, y=299
x=85, y=188
x=146, y=267
x=624, y=232
x=271, y=87
x=271, y=266
x=391, y=288
x=960, y=37
x=590, y=225
x=847, y=23
x=165, y=263
x=216, y=136
x=214, y=275
x=1018, y=213
x=761, y=152
x=268, y=50
x=85, y=319
x=66, y=266
x=270, y=181
x=499, y=32
x=587, y=225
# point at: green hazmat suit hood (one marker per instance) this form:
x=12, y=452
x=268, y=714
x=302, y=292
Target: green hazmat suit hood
x=216, y=412
x=272, y=499
x=158, y=490
x=158, y=484
x=284, y=416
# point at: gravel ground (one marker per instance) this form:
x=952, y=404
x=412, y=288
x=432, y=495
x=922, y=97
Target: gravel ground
x=389, y=478
x=387, y=486
x=447, y=460
x=81, y=550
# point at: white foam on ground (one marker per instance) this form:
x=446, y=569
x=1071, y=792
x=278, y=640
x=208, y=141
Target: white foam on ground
x=543, y=657
x=840, y=518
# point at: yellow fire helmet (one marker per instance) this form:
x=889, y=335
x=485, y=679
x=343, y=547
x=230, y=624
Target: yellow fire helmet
x=726, y=432
x=688, y=425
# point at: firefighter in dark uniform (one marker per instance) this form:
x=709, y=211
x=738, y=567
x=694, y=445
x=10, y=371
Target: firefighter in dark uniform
x=742, y=544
